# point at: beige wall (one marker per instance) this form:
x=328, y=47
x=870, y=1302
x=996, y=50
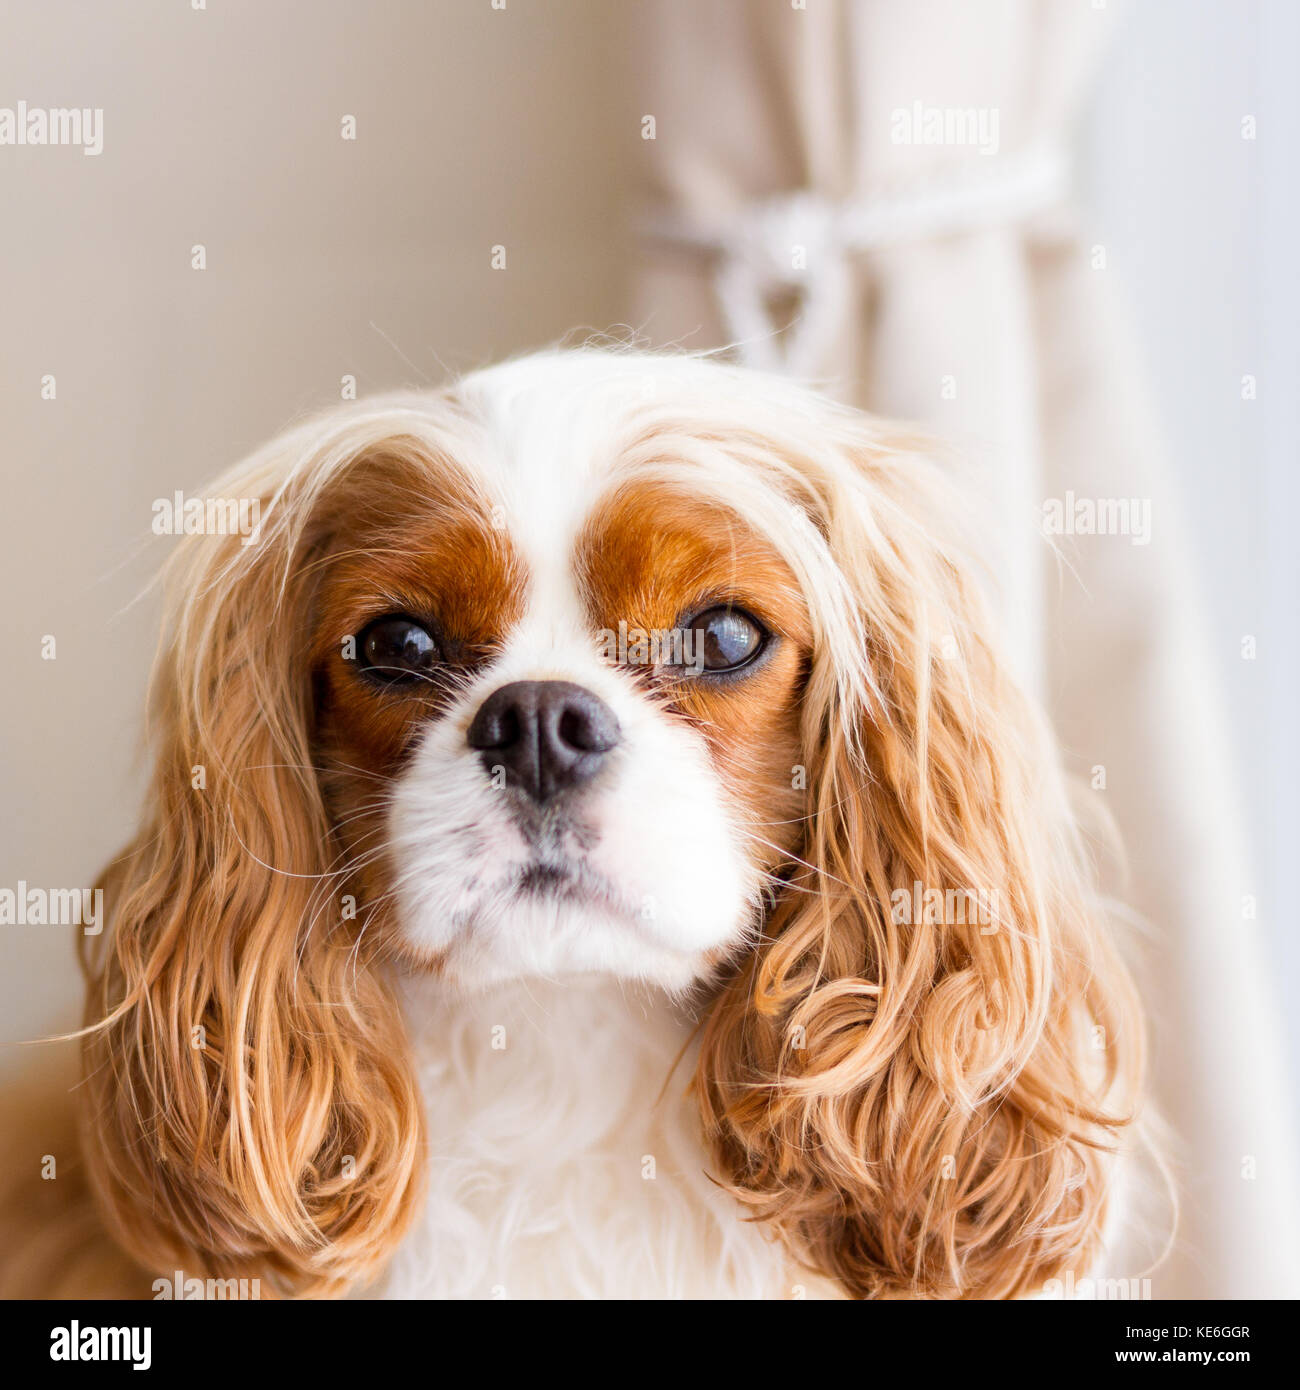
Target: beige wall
x=475, y=127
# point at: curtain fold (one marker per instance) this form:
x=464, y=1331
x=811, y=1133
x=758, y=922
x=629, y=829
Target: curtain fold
x=795, y=178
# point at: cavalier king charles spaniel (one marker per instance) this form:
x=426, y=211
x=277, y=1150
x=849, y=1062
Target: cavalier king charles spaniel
x=595, y=848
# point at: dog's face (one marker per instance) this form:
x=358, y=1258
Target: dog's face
x=558, y=707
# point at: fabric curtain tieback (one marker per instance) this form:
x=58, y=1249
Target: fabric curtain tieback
x=803, y=243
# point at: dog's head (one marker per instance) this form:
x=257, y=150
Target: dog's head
x=598, y=662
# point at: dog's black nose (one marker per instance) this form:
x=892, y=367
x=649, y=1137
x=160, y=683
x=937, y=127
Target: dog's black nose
x=547, y=735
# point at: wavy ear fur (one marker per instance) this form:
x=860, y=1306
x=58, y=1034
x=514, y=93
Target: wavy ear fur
x=923, y=1103
x=249, y=1106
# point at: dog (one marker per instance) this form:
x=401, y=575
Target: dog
x=595, y=848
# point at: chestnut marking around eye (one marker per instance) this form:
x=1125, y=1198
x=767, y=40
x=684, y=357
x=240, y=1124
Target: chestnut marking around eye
x=722, y=640
x=396, y=650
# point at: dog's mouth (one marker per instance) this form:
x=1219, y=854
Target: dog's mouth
x=564, y=881
x=546, y=880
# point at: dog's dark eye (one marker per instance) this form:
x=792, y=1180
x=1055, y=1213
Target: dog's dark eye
x=724, y=639
x=396, y=650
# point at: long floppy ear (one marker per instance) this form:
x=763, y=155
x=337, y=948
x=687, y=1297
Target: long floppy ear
x=249, y=1108
x=919, y=1079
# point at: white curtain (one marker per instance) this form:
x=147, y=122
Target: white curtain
x=892, y=180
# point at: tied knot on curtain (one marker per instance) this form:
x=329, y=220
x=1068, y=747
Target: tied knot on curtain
x=802, y=246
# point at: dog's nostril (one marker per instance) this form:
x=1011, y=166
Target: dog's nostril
x=588, y=726
x=547, y=735
x=573, y=729
x=498, y=730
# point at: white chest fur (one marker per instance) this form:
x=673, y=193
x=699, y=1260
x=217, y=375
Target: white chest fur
x=565, y=1160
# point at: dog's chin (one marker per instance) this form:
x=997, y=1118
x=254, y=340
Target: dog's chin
x=550, y=921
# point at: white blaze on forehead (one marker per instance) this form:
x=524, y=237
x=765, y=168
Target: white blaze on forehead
x=549, y=452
